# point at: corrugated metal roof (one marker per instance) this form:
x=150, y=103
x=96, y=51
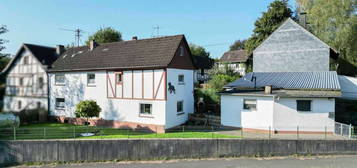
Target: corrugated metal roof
x=289, y=80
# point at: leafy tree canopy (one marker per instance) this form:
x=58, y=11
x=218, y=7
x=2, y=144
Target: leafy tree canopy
x=198, y=51
x=87, y=109
x=3, y=29
x=334, y=22
x=237, y=45
x=105, y=35
x=278, y=11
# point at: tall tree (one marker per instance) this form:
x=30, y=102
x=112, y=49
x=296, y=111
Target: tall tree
x=198, y=51
x=3, y=29
x=278, y=11
x=334, y=22
x=237, y=45
x=105, y=35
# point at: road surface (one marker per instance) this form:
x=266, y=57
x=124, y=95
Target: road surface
x=273, y=162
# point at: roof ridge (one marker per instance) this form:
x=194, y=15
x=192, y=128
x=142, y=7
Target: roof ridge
x=38, y=45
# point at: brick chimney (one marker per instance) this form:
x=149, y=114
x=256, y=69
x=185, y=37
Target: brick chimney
x=268, y=89
x=60, y=49
x=135, y=38
x=92, y=44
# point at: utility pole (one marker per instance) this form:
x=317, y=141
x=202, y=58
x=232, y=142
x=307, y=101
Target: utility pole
x=77, y=34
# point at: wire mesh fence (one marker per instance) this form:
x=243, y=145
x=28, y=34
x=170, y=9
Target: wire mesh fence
x=339, y=131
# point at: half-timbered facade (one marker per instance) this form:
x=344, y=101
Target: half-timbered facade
x=26, y=80
x=138, y=83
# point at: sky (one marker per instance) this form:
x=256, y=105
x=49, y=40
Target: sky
x=213, y=24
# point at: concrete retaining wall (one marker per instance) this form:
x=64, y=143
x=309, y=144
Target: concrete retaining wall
x=12, y=152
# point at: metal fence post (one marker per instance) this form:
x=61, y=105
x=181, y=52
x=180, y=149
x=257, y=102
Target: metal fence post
x=74, y=132
x=14, y=133
x=183, y=128
x=350, y=131
x=241, y=132
x=341, y=129
x=212, y=131
x=127, y=132
x=44, y=133
x=297, y=132
x=269, y=132
x=325, y=132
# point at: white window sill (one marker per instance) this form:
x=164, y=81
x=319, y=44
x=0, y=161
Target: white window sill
x=146, y=115
x=180, y=113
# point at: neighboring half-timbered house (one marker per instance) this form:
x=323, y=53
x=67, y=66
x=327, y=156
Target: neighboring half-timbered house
x=138, y=83
x=26, y=78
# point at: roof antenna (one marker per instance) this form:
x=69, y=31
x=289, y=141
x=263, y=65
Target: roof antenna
x=77, y=34
x=157, y=29
x=254, y=78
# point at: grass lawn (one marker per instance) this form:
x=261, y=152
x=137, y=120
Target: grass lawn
x=66, y=131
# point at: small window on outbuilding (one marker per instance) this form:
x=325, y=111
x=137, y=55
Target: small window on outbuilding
x=91, y=79
x=250, y=104
x=303, y=105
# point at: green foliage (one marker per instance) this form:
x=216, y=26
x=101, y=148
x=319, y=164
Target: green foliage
x=87, y=109
x=105, y=35
x=237, y=45
x=198, y=51
x=3, y=29
x=218, y=81
x=278, y=11
x=334, y=22
x=209, y=95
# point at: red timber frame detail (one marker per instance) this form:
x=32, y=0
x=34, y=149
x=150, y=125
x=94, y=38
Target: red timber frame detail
x=155, y=90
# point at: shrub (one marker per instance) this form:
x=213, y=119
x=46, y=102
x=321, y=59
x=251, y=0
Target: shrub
x=218, y=81
x=209, y=95
x=87, y=109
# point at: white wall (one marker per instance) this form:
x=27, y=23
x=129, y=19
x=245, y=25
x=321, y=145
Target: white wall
x=127, y=108
x=183, y=92
x=11, y=103
x=233, y=114
x=279, y=114
x=76, y=89
x=286, y=117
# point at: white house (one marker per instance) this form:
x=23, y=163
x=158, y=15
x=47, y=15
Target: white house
x=291, y=87
x=26, y=78
x=141, y=84
x=282, y=102
x=236, y=59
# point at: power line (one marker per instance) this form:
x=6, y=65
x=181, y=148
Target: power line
x=77, y=34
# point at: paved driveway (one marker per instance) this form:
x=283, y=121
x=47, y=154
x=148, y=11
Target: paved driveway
x=275, y=162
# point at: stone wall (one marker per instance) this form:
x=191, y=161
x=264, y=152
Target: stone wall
x=12, y=152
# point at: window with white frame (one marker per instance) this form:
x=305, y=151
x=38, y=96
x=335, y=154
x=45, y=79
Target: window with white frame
x=303, y=105
x=146, y=109
x=181, y=79
x=21, y=81
x=91, y=79
x=250, y=104
x=59, y=79
x=59, y=102
x=179, y=107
